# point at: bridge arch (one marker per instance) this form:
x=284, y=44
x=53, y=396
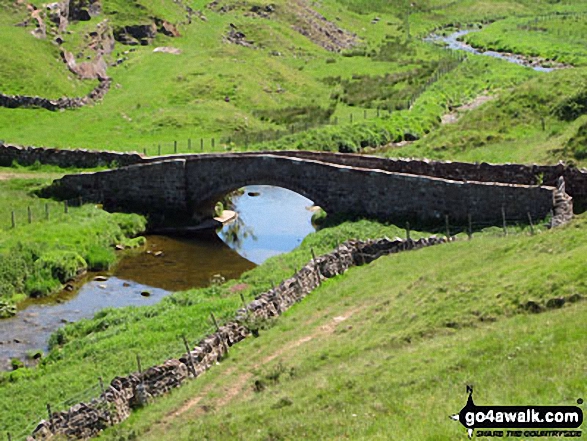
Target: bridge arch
x=203, y=193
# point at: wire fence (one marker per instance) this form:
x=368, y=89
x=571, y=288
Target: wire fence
x=95, y=392
x=38, y=212
x=244, y=140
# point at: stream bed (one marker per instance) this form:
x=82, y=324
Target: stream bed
x=452, y=42
x=271, y=221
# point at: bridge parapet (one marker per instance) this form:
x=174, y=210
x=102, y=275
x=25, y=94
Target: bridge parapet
x=188, y=187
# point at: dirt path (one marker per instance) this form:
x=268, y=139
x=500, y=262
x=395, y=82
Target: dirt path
x=6, y=176
x=453, y=116
x=239, y=386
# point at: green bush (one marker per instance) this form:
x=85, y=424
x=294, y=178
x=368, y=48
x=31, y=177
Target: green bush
x=572, y=107
x=41, y=284
x=7, y=309
x=60, y=265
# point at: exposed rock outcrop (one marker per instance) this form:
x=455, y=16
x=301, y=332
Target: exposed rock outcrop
x=133, y=35
x=317, y=28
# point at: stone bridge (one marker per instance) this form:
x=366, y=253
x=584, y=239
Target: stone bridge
x=186, y=187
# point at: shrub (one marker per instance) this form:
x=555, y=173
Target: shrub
x=60, y=265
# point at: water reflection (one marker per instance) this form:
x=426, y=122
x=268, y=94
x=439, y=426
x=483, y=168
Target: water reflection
x=180, y=263
x=272, y=221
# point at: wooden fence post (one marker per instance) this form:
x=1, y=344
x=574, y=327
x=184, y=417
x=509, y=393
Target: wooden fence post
x=190, y=359
x=47, y=211
x=407, y=231
x=531, y=224
x=470, y=229
x=50, y=419
x=316, y=267
x=244, y=305
x=505, y=230
x=139, y=364
x=218, y=330
x=175, y=146
x=65, y=207
x=13, y=220
x=30, y=214
x=447, y=226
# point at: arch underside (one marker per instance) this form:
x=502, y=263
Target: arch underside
x=202, y=203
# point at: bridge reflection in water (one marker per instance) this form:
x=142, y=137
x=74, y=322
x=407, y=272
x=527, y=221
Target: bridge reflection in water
x=272, y=220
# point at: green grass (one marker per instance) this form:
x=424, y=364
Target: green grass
x=47, y=246
x=107, y=345
x=556, y=38
x=536, y=121
x=385, y=351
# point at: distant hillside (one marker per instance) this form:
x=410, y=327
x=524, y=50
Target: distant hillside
x=229, y=74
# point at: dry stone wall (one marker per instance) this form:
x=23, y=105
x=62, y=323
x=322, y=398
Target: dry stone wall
x=23, y=101
x=124, y=394
x=10, y=154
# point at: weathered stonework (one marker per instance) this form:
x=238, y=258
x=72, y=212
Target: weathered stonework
x=349, y=181
x=63, y=157
x=189, y=186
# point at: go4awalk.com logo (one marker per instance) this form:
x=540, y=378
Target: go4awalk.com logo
x=520, y=421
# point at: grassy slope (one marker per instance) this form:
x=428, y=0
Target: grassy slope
x=391, y=303
x=509, y=128
x=19, y=75
x=385, y=351
x=107, y=345
x=159, y=98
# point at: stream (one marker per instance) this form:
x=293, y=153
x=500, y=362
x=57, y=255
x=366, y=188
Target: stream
x=452, y=42
x=271, y=221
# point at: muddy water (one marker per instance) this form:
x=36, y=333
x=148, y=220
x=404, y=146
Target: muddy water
x=271, y=221
x=452, y=42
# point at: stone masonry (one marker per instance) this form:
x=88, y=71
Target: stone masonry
x=189, y=186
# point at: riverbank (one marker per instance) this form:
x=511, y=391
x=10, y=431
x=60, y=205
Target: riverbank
x=107, y=345
x=45, y=244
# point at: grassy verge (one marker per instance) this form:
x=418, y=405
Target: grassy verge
x=385, y=351
x=107, y=345
x=558, y=38
x=48, y=246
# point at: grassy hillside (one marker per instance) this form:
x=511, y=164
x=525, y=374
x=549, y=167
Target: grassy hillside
x=385, y=352
x=537, y=121
x=392, y=306
x=220, y=95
